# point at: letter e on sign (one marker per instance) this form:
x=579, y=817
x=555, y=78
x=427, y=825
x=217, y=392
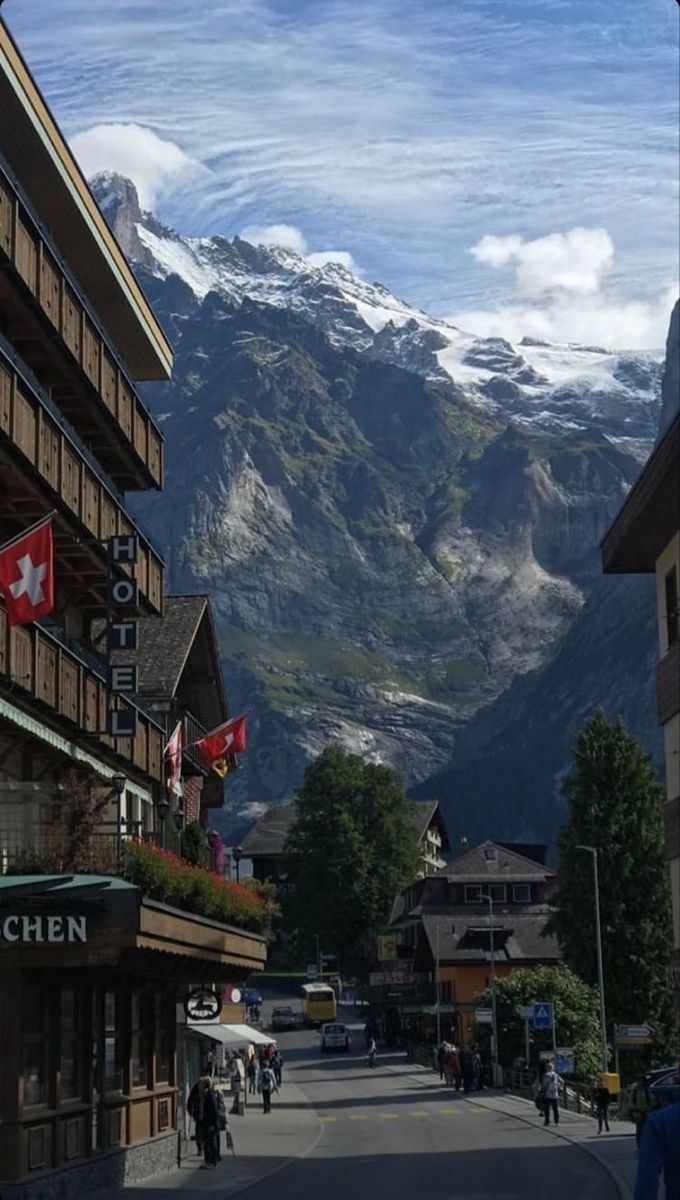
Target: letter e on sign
x=123, y=678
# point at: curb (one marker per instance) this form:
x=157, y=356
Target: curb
x=288, y=1162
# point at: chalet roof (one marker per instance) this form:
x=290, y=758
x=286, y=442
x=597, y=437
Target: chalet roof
x=428, y=812
x=518, y=937
x=493, y=862
x=268, y=835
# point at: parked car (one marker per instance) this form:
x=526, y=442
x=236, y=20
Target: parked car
x=334, y=1037
x=284, y=1018
x=663, y=1086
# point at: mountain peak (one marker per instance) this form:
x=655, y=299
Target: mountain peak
x=118, y=200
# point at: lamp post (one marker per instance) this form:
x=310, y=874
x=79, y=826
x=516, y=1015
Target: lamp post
x=494, y=1015
x=237, y=855
x=600, y=967
x=437, y=990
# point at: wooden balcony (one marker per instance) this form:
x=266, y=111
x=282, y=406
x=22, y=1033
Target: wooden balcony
x=48, y=319
x=42, y=464
x=70, y=693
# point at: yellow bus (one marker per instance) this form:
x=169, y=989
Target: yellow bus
x=318, y=1004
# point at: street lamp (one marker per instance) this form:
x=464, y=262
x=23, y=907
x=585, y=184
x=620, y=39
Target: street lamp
x=600, y=968
x=494, y=1015
x=237, y=855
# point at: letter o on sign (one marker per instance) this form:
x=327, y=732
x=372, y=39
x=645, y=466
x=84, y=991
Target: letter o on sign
x=124, y=591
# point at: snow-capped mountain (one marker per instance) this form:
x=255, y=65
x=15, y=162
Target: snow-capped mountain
x=548, y=386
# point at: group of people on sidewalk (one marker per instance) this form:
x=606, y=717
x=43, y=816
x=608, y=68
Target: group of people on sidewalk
x=207, y=1108
x=264, y=1073
x=459, y=1066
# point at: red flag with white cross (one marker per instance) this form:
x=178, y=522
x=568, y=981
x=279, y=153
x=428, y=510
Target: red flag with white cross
x=27, y=574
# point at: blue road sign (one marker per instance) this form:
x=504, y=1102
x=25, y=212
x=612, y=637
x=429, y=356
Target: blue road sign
x=543, y=1016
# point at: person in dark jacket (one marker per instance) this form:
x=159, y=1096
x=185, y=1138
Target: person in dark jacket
x=659, y=1154
x=212, y=1107
x=467, y=1068
x=194, y=1109
x=601, y=1102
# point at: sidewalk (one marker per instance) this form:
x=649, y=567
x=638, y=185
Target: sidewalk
x=264, y=1146
x=616, y=1150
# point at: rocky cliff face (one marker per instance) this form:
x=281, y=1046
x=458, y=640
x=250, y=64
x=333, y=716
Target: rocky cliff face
x=398, y=524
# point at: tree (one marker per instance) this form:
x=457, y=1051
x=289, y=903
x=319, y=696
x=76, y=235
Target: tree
x=351, y=849
x=615, y=804
x=576, y=1016
x=193, y=844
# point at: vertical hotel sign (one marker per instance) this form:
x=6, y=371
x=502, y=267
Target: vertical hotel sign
x=122, y=596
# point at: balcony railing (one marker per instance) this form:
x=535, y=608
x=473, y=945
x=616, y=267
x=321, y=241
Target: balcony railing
x=193, y=730
x=71, y=691
x=33, y=427
x=133, y=449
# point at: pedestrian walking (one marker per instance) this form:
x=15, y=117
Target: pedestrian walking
x=442, y=1050
x=659, y=1154
x=372, y=1051
x=639, y=1106
x=601, y=1102
x=453, y=1068
x=477, y=1069
x=251, y=1072
x=467, y=1070
x=270, y=1053
x=551, y=1095
x=277, y=1067
x=266, y=1086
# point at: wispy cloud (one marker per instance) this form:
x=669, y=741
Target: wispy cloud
x=403, y=130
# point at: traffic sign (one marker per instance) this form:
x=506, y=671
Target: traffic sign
x=543, y=1015
x=312, y=971
x=564, y=1060
x=632, y=1035
x=483, y=1016
x=526, y=1012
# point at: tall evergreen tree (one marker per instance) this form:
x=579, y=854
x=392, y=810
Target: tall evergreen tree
x=351, y=849
x=615, y=804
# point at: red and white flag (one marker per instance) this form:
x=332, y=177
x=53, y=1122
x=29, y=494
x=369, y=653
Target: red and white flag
x=27, y=574
x=229, y=738
x=173, y=757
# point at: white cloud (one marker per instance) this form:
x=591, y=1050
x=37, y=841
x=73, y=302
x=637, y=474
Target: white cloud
x=574, y=262
x=559, y=294
x=152, y=163
x=288, y=236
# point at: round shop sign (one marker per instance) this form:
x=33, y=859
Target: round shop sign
x=203, y=1004
x=235, y=996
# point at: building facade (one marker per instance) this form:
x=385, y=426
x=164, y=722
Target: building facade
x=94, y=973
x=645, y=539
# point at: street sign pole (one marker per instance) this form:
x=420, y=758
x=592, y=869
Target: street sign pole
x=554, y=1029
x=527, y=1046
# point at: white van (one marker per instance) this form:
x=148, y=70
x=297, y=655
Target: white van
x=334, y=1036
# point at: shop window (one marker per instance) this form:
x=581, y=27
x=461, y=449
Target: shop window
x=139, y=1040
x=164, y=1026
x=35, y=1042
x=71, y=1031
x=521, y=893
x=113, y=1073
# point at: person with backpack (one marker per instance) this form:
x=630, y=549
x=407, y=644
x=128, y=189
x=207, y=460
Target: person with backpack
x=266, y=1086
x=639, y=1106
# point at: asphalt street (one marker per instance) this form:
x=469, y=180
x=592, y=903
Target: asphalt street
x=384, y=1134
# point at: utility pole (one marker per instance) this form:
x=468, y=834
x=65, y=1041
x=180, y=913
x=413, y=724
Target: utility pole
x=600, y=968
x=319, y=964
x=494, y=1015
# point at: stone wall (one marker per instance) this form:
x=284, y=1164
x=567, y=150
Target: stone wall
x=124, y=1166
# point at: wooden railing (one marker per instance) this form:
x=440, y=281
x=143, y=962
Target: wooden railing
x=28, y=421
x=63, y=309
x=193, y=730
x=39, y=665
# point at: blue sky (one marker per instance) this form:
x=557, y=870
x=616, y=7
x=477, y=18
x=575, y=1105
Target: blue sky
x=448, y=146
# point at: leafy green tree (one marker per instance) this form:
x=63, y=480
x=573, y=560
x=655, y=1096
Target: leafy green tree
x=351, y=849
x=193, y=844
x=615, y=804
x=576, y=1017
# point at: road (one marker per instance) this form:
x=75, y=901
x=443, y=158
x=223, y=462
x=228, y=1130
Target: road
x=384, y=1133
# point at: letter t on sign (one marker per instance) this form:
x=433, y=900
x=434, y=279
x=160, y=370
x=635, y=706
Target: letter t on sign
x=121, y=635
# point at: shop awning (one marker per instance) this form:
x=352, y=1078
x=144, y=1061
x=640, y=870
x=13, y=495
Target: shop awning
x=231, y=1035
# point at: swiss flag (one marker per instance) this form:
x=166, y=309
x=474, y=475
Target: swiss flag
x=229, y=738
x=27, y=574
x=173, y=758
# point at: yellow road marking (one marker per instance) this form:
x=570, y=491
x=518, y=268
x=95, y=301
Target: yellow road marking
x=476, y=1108
x=418, y=1114
x=328, y=1118
x=388, y=1116
x=449, y=1112
x=356, y=1117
